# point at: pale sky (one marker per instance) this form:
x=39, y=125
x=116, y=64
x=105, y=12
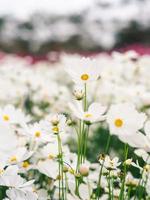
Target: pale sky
x=23, y=8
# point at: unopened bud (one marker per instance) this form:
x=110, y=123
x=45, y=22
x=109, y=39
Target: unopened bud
x=79, y=94
x=65, y=169
x=55, y=120
x=128, y=162
x=147, y=168
x=69, y=122
x=84, y=170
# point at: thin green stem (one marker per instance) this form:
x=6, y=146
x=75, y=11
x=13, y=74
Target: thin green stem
x=61, y=167
x=121, y=195
x=85, y=97
x=101, y=169
x=139, y=183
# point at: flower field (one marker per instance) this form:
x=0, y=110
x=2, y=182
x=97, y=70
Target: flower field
x=77, y=129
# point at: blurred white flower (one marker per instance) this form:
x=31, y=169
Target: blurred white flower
x=110, y=164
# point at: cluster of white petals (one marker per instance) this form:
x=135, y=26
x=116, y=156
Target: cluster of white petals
x=41, y=112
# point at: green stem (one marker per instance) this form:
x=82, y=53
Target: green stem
x=109, y=185
x=85, y=97
x=144, y=185
x=139, y=183
x=61, y=167
x=129, y=191
x=101, y=169
x=85, y=142
x=121, y=195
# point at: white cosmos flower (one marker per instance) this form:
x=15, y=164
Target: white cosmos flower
x=111, y=163
x=94, y=113
x=10, y=115
x=54, y=124
x=143, y=154
x=10, y=178
x=138, y=139
x=42, y=194
x=124, y=120
x=147, y=129
x=37, y=133
x=50, y=150
x=48, y=167
x=8, y=139
x=85, y=191
x=14, y=194
x=83, y=70
x=18, y=155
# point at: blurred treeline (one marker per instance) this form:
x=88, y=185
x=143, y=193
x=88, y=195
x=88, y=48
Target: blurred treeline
x=91, y=30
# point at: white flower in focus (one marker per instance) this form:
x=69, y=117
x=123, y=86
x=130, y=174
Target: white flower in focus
x=83, y=70
x=94, y=113
x=124, y=120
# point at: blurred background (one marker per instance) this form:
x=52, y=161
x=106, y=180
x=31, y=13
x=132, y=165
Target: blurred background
x=38, y=27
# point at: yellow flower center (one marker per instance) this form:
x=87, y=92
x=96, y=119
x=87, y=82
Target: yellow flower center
x=25, y=164
x=1, y=171
x=37, y=134
x=87, y=115
x=13, y=159
x=84, y=77
x=50, y=156
x=118, y=123
x=55, y=129
x=6, y=118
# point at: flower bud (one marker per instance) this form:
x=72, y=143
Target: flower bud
x=69, y=122
x=128, y=162
x=55, y=120
x=55, y=129
x=65, y=169
x=84, y=170
x=79, y=94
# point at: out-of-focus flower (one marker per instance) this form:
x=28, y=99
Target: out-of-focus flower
x=111, y=164
x=10, y=115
